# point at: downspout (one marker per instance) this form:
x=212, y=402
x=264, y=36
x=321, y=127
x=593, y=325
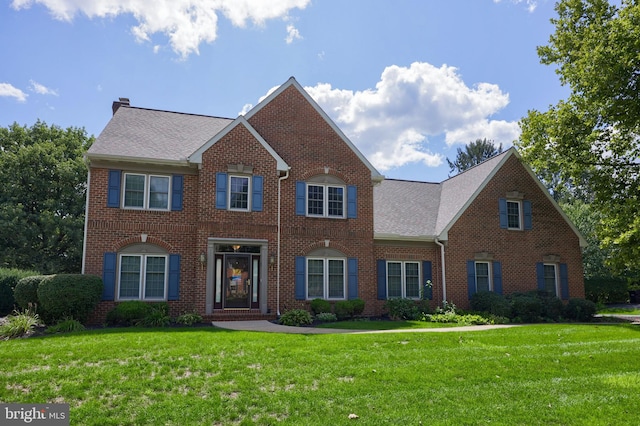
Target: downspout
x=280, y=179
x=86, y=220
x=444, y=275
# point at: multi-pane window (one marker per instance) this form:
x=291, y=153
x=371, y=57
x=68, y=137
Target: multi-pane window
x=483, y=280
x=239, y=193
x=142, y=277
x=513, y=215
x=325, y=278
x=146, y=191
x=550, y=278
x=325, y=200
x=403, y=280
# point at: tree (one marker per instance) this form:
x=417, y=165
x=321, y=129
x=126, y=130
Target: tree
x=42, y=199
x=593, y=136
x=474, y=153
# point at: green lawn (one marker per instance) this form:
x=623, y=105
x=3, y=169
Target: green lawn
x=375, y=324
x=540, y=374
x=623, y=311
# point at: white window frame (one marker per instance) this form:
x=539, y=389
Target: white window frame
x=143, y=276
x=403, y=278
x=489, y=272
x=249, y=194
x=325, y=200
x=520, y=225
x=556, y=277
x=147, y=192
x=325, y=277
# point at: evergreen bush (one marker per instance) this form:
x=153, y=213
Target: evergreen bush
x=69, y=295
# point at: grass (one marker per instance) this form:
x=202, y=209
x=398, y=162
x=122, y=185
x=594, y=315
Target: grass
x=620, y=310
x=374, y=324
x=548, y=374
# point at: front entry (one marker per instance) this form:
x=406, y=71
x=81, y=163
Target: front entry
x=237, y=277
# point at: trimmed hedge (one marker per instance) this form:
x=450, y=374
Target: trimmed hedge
x=128, y=313
x=493, y=303
x=26, y=291
x=606, y=290
x=69, y=295
x=8, y=280
x=319, y=306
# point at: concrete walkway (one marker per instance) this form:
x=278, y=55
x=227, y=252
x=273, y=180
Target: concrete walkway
x=267, y=326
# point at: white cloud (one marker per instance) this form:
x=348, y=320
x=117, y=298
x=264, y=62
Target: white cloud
x=392, y=124
x=187, y=23
x=531, y=4
x=292, y=34
x=41, y=89
x=8, y=90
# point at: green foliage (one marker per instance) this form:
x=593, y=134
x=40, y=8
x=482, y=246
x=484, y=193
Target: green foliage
x=326, y=317
x=296, y=318
x=26, y=291
x=66, y=325
x=189, y=318
x=69, y=295
x=9, y=278
x=526, y=307
x=357, y=306
x=580, y=310
x=491, y=302
x=474, y=153
x=589, y=141
x=319, y=306
x=43, y=197
x=403, y=309
x=606, y=290
x=128, y=313
x=462, y=319
x=19, y=324
x=343, y=309
x=156, y=318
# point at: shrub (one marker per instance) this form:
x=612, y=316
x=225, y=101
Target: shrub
x=19, y=324
x=26, y=291
x=606, y=290
x=69, y=295
x=492, y=303
x=189, y=318
x=552, y=307
x=8, y=280
x=343, y=309
x=156, y=318
x=128, y=313
x=580, y=310
x=327, y=317
x=319, y=306
x=296, y=318
x=67, y=325
x=403, y=309
x=358, y=306
x=526, y=308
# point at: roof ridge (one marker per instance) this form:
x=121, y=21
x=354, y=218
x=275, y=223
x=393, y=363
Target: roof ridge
x=480, y=164
x=176, y=112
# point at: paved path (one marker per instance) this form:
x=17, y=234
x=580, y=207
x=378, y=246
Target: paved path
x=270, y=327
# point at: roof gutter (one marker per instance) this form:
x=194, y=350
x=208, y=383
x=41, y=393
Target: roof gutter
x=280, y=179
x=86, y=220
x=444, y=275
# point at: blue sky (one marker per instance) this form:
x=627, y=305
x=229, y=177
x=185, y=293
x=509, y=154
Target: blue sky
x=409, y=81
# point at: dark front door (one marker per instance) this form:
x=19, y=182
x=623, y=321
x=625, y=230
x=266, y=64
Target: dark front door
x=237, y=288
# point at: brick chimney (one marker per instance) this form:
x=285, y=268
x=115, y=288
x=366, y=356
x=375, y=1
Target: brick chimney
x=120, y=102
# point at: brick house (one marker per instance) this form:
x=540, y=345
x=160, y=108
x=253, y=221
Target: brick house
x=251, y=217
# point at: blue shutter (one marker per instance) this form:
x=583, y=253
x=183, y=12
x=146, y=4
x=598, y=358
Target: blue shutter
x=564, y=281
x=382, y=279
x=497, y=277
x=471, y=278
x=502, y=207
x=221, y=190
x=526, y=208
x=301, y=263
x=540, y=275
x=113, y=188
x=109, y=276
x=352, y=266
x=176, y=192
x=352, y=201
x=427, y=276
x=174, y=277
x=257, y=191
x=301, y=196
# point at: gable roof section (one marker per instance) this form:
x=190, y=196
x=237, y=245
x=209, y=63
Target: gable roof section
x=196, y=157
x=375, y=175
x=154, y=136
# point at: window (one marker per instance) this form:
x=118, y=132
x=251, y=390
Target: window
x=483, y=277
x=325, y=200
x=142, y=277
x=325, y=278
x=513, y=215
x=403, y=280
x=550, y=278
x=146, y=191
x=239, y=193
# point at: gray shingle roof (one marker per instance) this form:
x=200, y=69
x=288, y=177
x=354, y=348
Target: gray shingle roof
x=154, y=135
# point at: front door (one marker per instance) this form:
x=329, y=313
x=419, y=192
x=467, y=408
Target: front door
x=237, y=288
